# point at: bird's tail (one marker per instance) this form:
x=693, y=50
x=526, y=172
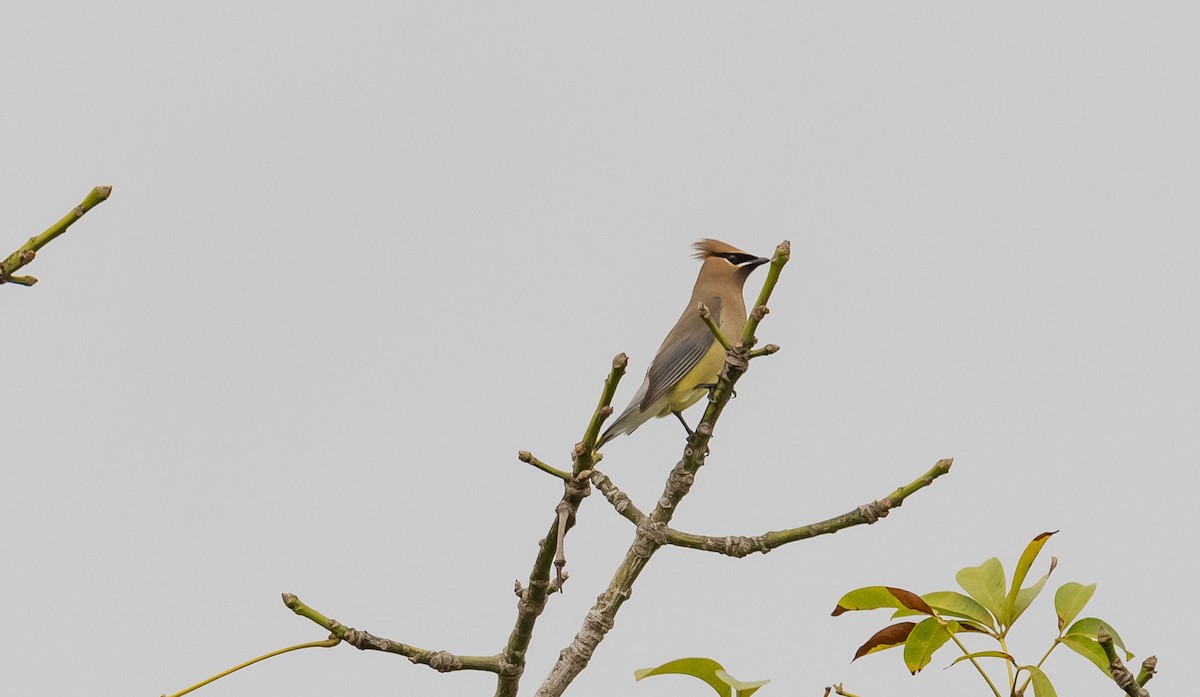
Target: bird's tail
x=627, y=422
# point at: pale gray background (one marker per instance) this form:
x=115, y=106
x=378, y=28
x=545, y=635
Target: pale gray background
x=357, y=256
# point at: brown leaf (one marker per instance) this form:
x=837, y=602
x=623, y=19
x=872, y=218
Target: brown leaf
x=910, y=600
x=894, y=635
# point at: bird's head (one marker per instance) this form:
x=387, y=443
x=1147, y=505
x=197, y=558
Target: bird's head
x=725, y=262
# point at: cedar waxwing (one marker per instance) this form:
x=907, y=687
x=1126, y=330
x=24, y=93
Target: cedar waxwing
x=690, y=358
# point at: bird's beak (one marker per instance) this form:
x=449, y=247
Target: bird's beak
x=759, y=262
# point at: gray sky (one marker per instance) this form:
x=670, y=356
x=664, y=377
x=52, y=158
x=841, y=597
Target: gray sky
x=357, y=257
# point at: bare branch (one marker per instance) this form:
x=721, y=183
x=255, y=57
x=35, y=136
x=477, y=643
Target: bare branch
x=441, y=661
x=738, y=546
x=619, y=500
x=532, y=599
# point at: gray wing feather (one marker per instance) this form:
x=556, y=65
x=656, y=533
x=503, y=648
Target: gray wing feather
x=689, y=341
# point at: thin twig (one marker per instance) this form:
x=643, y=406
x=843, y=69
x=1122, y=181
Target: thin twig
x=603, y=411
x=764, y=351
x=560, y=552
x=782, y=254
x=528, y=457
x=706, y=315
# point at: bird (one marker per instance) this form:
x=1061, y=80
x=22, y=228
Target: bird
x=690, y=358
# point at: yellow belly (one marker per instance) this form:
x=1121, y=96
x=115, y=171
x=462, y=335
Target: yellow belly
x=686, y=393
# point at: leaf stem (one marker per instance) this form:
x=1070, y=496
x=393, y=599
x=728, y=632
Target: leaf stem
x=1007, y=664
x=331, y=641
x=967, y=653
x=1043, y=660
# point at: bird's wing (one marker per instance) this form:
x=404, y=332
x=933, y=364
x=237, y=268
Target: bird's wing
x=683, y=348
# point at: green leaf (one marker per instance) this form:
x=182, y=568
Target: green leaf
x=707, y=670
x=953, y=604
x=702, y=668
x=1089, y=626
x=985, y=583
x=1089, y=648
x=741, y=689
x=1081, y=638
x=1026, y=595
x=1041, y=683
x=1070, y=600
x=876, y=597
x=886, y=638
x=1009, y=613
x=925, y=639
x=985, y=654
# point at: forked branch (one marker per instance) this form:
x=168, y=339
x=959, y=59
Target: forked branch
x=532, y=598
x=652, y=529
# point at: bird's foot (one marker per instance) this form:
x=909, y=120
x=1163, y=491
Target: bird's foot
x=712, y=390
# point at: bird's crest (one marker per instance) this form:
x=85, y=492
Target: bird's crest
x=710, y=248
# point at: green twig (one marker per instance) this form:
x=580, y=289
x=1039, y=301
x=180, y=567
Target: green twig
x=706, y=315
x=1149, y=668
x=764, y=351
x=602, y=412
x=782, y=254
x=331, y=641
x=29, y=250
x=526, y=456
